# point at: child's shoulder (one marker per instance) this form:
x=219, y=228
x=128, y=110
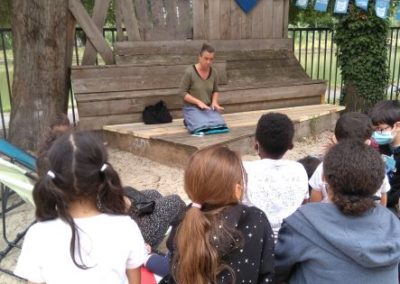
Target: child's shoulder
x=243, y=214
x=272, y=163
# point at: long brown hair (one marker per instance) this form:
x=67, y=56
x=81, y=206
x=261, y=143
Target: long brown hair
x=202, y=238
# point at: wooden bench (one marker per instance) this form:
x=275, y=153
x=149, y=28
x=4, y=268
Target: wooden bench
x=170, y=143
x=254, y=75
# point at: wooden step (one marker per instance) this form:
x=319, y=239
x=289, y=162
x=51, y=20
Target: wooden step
x=172, y=145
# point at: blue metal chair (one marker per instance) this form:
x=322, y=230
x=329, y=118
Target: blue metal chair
x=17, y=155
x=14, y=180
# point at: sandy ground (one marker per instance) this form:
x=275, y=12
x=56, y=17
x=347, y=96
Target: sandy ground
x=141, y=173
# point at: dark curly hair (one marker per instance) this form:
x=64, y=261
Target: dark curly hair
x=354, y=172
x=354, y=125
x=275, y=133
x=385, y=112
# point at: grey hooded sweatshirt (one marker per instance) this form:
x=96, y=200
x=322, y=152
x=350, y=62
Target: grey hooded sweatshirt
x=319, y=244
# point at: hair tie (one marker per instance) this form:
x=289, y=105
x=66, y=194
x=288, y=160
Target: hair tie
x=51, y=174
x=103, y=167
x=196, y=205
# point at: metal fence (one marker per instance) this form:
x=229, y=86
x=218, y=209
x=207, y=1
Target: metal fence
x=313, y=47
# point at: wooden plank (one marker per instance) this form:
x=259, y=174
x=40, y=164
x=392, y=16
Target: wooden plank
x=97, y=122
x=186, y=25
x=119, y=20
x=134, y=71
x=277, y=31
x=225, y=19
x=235, y=19
x=156, y=8
x=300, y=113
x=268, y=17
x=111, y=107
x=181, y=145
x=207, y=19
x=193, y=46
x=130, y=20
x=91, y=31
x=246, y=26
x=214, y=19
x=172, y=27
x=126, y=94
x=98, y=17
x=285, y=18
x=126, y=83
x=161, y=59
x=175, y=102
x=198, y=20
x=143, y=17
x=257, y=21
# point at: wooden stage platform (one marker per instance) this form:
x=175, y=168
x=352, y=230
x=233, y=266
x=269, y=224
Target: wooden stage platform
x=171, y=144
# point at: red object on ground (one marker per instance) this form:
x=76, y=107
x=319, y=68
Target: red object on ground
x=147, y=277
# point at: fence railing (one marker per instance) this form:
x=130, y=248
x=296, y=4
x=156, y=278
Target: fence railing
x=313, y=47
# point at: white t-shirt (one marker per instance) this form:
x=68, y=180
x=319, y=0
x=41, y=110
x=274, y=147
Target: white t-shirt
x=110, y=244
x=316, y=182
x=278, y=187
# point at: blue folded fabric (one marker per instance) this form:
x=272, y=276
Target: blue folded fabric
x=204, y=122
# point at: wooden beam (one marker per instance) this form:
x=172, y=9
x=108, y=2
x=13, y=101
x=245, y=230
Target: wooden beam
x=119, y=20
x=198, y=19
x=91, y=31
x=98, y=17
x=130, y=20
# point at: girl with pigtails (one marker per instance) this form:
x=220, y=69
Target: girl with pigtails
x=83, y=234
x=219, y=240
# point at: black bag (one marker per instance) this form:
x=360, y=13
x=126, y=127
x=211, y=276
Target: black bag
x=157, y=113
x=140, y=204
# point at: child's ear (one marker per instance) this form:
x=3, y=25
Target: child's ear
x=291, y=145
x=239, y=192
x=368, y=142
x=334, y=140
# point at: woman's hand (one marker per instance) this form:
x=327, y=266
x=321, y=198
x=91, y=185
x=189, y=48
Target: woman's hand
x=217, y=107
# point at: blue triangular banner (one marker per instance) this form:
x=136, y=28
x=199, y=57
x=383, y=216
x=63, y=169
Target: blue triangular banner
x=382, y=8
x=341, y=6
x=321, y=5
x=246, y=5
x=302, y=4
x=363, y=4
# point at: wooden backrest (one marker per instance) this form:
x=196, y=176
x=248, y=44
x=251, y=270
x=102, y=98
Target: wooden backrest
x=254, y=75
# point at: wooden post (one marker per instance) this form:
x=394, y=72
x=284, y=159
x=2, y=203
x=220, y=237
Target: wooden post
x=130, y=21
x=99, y=17
x=91, y=31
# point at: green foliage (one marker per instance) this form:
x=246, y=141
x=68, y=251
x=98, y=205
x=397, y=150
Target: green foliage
x=309, y=17
x=362, y=54
x=5, y=13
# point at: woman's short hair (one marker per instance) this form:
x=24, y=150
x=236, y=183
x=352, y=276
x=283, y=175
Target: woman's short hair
x=208, y=48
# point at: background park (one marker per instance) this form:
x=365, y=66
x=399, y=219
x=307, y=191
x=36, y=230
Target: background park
x=355, y=52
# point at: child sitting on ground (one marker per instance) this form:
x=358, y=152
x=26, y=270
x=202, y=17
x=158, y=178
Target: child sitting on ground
x=385, y=116
x=276, y=186
x=83, y=234
x=310, y=164
x=219, y=240
x=348, y=240
x=352, y=125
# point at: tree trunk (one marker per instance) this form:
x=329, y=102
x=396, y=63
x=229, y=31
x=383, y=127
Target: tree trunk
x=43, y=33
x=351, y=98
